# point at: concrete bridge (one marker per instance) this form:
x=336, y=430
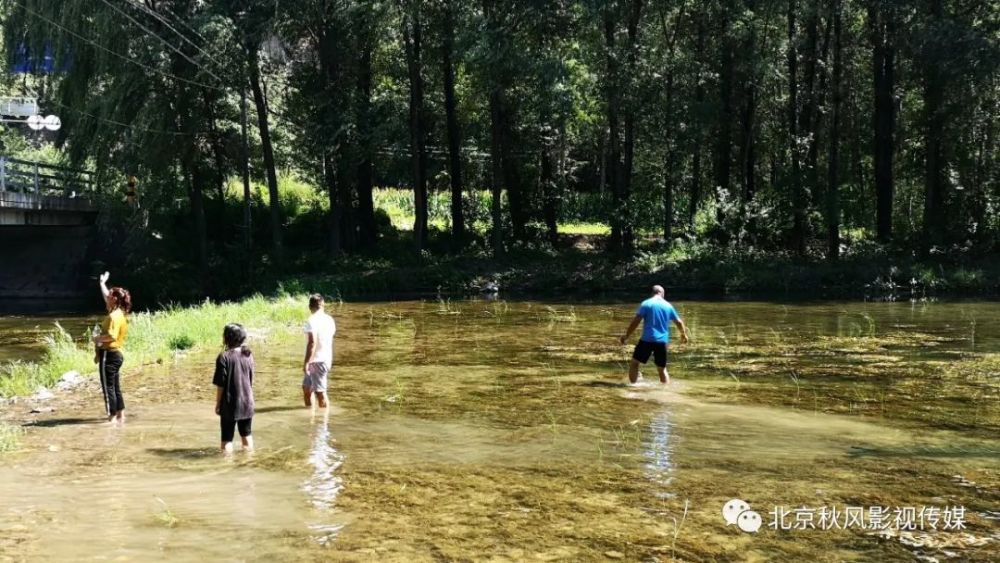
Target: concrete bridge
x=46, y=231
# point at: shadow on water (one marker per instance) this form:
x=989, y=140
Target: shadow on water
x=604, y=385
x=185, y=453
x=72, y=421
x=925, y=451
x=287, y=408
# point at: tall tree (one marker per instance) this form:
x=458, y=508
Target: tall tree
x=798, y=197
x=365, y=43
x=881, y=23
x=448, y=16
x=413, y=45
x=934, y=88
x=833, y=176
x=694, y=191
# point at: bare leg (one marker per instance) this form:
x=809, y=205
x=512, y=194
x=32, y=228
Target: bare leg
x=121, y=416
x=247, y=442
x=321, y=399
x=227, y=448
x=307, y=395
x=664, y=376
x=633, y=371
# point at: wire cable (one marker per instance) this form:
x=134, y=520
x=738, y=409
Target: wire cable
x=159, y=17
x=161, y=40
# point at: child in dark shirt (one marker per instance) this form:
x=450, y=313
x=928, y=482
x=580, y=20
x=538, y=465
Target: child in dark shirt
x=234, y=388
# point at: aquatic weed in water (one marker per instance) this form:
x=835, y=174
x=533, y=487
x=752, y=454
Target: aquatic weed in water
x=10, y=437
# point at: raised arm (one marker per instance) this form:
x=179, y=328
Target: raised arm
x=104, y=285
x=631, y=328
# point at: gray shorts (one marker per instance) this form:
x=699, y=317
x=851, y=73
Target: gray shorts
x=315, y=378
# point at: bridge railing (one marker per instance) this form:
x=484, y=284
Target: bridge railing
x=24, y=176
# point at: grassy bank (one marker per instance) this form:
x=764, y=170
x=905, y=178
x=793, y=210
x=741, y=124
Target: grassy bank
x=152, y=338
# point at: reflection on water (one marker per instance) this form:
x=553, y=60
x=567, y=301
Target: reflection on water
x=324, y=485
x=659, y=453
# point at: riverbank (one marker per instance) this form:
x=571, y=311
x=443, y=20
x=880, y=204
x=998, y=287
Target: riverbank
x=582, y=267
x=153, y=338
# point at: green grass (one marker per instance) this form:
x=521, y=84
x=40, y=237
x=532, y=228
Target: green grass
x=153, y=337
x=584, y=229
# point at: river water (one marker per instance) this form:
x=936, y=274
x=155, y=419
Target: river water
x=504, y=431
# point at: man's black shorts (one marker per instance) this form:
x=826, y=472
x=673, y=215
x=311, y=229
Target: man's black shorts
x=658, y=349
x=229, y=425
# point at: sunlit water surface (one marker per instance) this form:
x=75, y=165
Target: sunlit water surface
x=504, y=431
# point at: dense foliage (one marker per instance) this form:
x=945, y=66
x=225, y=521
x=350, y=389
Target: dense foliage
x=811, y=127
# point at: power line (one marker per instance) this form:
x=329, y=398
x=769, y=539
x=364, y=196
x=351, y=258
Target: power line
x=122, y=124
x=161, y=40
x=119, y=55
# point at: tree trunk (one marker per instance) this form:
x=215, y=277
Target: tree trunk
x=628, y=230
x=245, y=169
x=817, y=96
x=336, y=211
x=694, y=197
x=724, y=127
x=798, y=201
x=549, y=195
x=268, y=150
x=365, y=170
x=934, y=88
x=613, y=91
x=809, y=103
x=668, y=167
x=496, y=168
x=833, y=187
x=880, y=21
x=670, y=157
x=748, y=148
x=454, y=131
x=412, y=45
x=197, y=196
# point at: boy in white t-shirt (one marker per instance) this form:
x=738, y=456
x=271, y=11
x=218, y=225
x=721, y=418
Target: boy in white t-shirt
x=320, y=329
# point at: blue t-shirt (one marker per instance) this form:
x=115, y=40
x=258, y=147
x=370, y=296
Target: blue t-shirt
x=656, y=313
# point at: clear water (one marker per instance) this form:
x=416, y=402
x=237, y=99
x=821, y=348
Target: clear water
x=504, y=431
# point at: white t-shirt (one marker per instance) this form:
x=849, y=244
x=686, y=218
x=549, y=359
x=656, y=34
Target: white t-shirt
x=322, y=327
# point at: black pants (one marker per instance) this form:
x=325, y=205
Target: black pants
x=111, y=364
x=228, y=427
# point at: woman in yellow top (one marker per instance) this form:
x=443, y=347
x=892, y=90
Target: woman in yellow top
x=109, y=347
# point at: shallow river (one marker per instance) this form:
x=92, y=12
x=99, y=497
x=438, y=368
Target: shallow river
x=503, y=431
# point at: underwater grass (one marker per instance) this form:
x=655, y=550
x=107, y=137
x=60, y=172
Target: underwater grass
x=152, y=338
x=10, y=437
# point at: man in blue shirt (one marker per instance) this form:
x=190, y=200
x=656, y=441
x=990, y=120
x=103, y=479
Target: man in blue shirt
x=655, y=314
